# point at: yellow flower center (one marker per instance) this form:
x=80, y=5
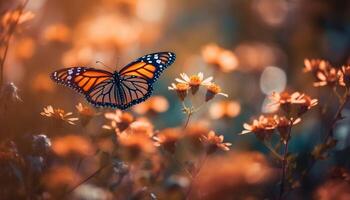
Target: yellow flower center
x=195, y=80
x=214, y=88
x=182, y=86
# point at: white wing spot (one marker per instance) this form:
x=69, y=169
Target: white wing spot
x=158, y=61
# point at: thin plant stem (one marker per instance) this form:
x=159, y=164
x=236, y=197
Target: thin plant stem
x=284, y=161
x=85, y=180
x=273, y=151
x=7, y=41
x=187, y=120
x=195, y=176
x=329, y=133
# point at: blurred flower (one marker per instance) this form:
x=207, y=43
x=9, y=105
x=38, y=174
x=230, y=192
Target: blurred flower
x=181, y=89
x=327, y=77
x=316, y=65
x=271, y=12
x=345, y=76
x=24, y=48
x=222, y=59
x=57, y=33
x=323, y=71
x=59, y=114
x=42, y=83
x=295, y=104
x=140, y=127
x=239, y=174
x=155, y=104
x=9, y=94
x=119, y=120
x=85, y=110
x=41, y=145
x=92, y=192
x=333, y=189
x=283, y=126
x=11, y=16
x=60, y=177
x=224, y=109
x=213, y=90
x=168, y=138
x=263, y=127
x=136, y=144
x=194, y=81
x=215, y=142
x=86, y=113
x=254, y=56
x=72, y=145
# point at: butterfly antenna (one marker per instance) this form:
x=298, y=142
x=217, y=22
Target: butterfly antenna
x=99, y=62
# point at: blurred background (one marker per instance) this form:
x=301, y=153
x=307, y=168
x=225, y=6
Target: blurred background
x=263, y=44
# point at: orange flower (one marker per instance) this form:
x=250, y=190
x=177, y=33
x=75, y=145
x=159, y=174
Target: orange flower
x=283, y=126
x=59, y=114
x=12, y=16
x=119, y=120
x=263, y=127
x=224, y=109
x=333, y=189
x=155, y=104
x=213, y=90
x=168, y=138
x=345, y=76
x=315, y=65
x=215, y=142
x=222, y=59
x=136, y=144
x=323, y=71
x=57, y=33
x=85, y=110
x=72, y=145
x=181, y=89
x=232, y=176
x=60, y=177
x=140, y=127
x=294, y=104
x=194, y=81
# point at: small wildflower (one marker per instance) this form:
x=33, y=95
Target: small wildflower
x=59, y=114
x=213, y=90
x=12, y=16
x=194, y=81
x=224, y=109
x=155, y=104
x=57, y=33
x=294, y=105
x=323, y=71
x=283, y=126
x=140, y=127
x=215, y=142
x=263, y=127
x=345, y=76
x=135, y=144
x=315, y=65
x=168, y=138
x=181, y=89
x=86, y=113
x=119, y=120
x=72, y=145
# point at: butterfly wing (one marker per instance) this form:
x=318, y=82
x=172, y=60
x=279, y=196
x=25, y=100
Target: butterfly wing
x=137, y=78
x=81, y=79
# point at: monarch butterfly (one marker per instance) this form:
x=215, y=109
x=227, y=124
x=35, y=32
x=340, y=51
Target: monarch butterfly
x=121, y=89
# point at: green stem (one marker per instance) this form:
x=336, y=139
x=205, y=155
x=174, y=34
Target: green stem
x=273, y=151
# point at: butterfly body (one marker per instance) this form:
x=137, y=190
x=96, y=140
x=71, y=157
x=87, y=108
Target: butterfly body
x=119, y=89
